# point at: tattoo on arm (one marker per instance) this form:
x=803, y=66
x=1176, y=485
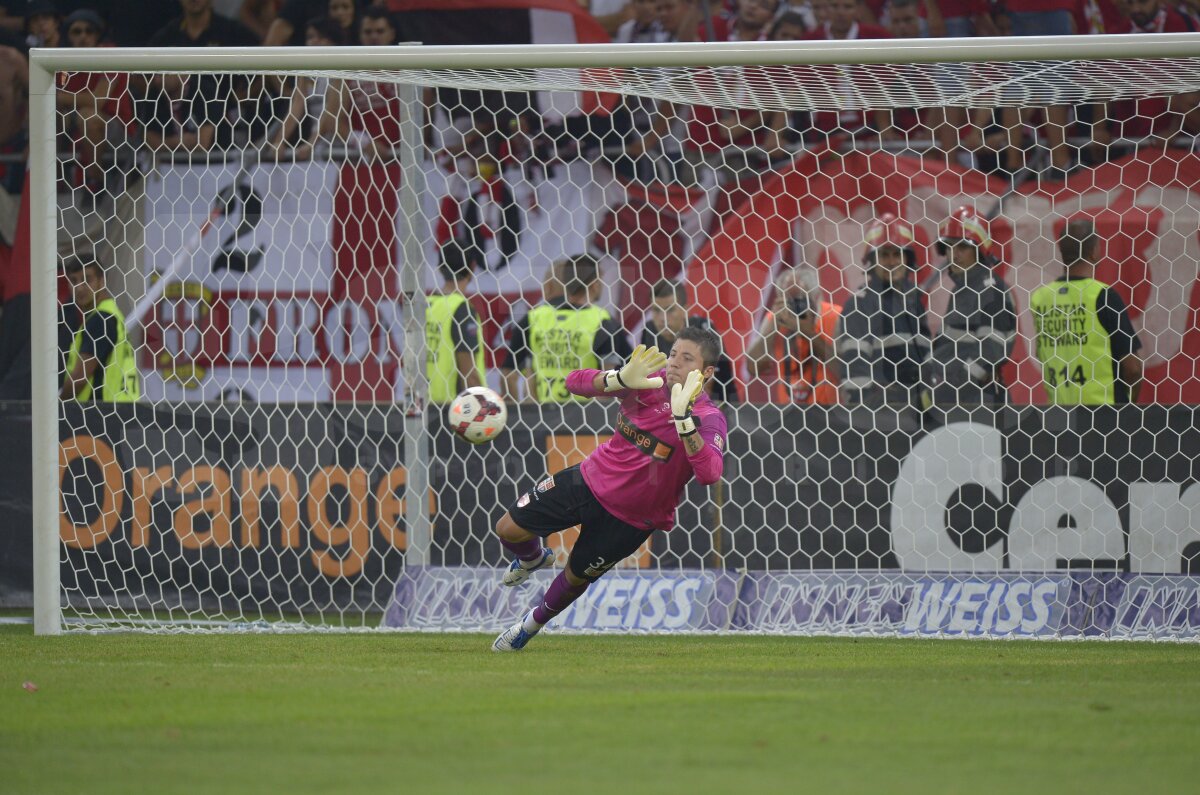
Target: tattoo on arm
x=693, y=444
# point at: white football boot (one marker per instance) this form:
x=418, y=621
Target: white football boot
x=519, y=571
x=515, y=637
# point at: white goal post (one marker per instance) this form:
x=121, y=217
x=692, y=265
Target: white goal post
x=768, y=77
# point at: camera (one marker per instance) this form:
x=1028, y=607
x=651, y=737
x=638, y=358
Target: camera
x=799, y=305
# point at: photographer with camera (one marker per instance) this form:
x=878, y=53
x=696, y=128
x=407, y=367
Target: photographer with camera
x=793, y=349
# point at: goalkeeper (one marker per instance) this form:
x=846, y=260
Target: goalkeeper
x=629, y=486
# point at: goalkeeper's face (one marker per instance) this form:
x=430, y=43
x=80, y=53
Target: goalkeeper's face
x=684, y=357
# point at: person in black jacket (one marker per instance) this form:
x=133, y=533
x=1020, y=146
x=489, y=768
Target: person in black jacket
x=883, y=338
x=980, y=324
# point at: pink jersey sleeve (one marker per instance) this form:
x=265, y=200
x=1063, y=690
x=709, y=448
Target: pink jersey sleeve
x=580, y=382
x=709, y=463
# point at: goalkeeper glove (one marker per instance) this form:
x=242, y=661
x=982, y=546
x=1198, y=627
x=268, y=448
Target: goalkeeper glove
x=634, y=375
x=682, y=397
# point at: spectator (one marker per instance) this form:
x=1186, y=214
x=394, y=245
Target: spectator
x=365, y=115
x=1085, y=338
x=288, y=28
x=903, y=19
x=377, y=28
x=176, y=112
x=202, y=111
x=14, y=97
x=792, y=25
x=679, y=18
x=345, y=15
x=668, y=317
x=555, y=338
x=843, y=24
x=820, y=12
x=611, y=14
x=793, y=350
x=980, y=323
x=751, y=21
x=718, y=139
x=883, y=338
x=1163, y=120
x=100, y=363
x=643, y=27
x=198, y=26
x=12, y=23
x=43, y=24
x=93, y=107
x=131, y=23
x=966, y=18
x=205, y=110
x=1039, y=18
x=455, y=359
x=1154, y=16
x=787, y=127
x=368, y=113
x=302, y=125
x=637, y=124
x=257, y=15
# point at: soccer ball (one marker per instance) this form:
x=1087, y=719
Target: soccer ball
x=477, y=415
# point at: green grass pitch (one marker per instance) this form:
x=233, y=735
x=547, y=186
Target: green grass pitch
x=133, y=713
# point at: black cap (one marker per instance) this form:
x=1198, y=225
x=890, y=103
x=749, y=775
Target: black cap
x=87, y=15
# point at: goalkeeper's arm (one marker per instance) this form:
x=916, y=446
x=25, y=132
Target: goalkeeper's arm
x=635, y=374
x=704, y=452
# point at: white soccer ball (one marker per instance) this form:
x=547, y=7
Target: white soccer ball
x=477, y=415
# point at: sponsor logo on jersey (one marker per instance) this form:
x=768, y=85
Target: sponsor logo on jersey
x=645, y=441
x=546, y=484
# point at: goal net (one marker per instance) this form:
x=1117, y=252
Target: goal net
x=246, y=262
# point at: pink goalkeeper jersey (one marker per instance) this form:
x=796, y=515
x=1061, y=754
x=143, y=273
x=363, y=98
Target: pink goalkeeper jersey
x=639, y=474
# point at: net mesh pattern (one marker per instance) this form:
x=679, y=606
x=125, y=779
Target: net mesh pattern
x=271, y=244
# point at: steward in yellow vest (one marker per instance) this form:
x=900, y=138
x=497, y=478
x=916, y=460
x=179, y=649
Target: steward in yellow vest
x=454, y=359
x=100, y=363
x=569, y=334
x=1084, y=338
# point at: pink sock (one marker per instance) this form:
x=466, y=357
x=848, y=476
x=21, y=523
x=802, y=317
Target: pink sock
x=524, y=550
x=558, y=597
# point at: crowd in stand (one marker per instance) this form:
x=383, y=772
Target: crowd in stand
x=107, y=119
x=169, y=112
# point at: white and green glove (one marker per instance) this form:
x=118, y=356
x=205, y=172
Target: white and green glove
x=683, y=396
x=635, y=373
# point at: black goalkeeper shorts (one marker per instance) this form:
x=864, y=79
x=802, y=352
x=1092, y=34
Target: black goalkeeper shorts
x=564, y=500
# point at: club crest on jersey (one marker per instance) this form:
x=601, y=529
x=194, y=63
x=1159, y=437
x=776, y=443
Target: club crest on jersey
x=521, y=503
x=546, y=484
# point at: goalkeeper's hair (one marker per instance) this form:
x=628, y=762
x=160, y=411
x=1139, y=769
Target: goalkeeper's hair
x=707, y=339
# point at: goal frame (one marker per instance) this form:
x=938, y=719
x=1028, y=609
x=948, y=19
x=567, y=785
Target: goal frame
x=46, y=63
